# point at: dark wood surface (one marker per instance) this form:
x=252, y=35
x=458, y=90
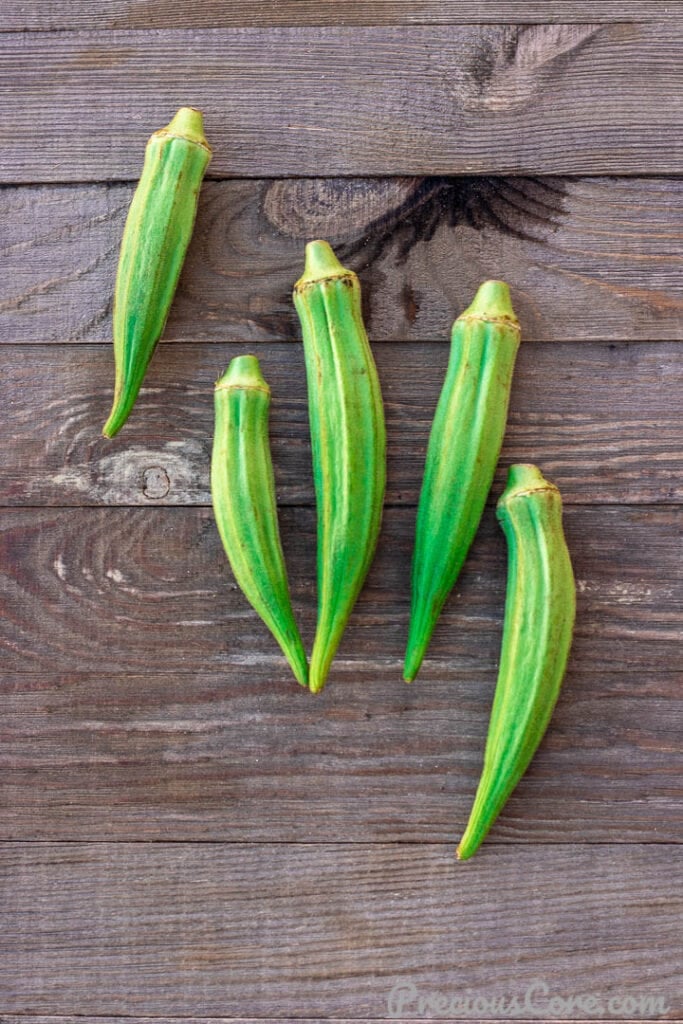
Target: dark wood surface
x=529, y=99
x=185, y=833
x=588, y=259
x=562, y=409
x=145, y=14
x=346, y=917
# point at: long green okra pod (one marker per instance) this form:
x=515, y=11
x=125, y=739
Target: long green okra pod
x=347, y=439
x=464, y=445
x=243, y=495
x=155, y=240
x=537, y=634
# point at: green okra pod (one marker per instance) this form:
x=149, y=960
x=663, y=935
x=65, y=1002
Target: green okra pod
x=243, y=495
x=348, y=442
x=155, y=240
x=537, y=634
x=464, y=445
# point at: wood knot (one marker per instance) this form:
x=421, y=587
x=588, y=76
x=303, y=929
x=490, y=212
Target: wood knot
x=155, y=482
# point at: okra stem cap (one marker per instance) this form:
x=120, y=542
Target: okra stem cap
x=523, y=478
x=492, y=301
x=188, y=123
x=243, y=372
x=321, y=262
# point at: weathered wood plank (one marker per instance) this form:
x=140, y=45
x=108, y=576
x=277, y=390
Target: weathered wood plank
x=404, y=100
x=231, y=755
x=47, y=15
x=86, y=1019
x=587, y=259
x=329, y=930
x=120, y=590
x=602, y=419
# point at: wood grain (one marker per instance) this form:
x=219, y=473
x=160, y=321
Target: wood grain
x=89, y=1019
x=587, y=259
x=604, y=420
x=272, y=930
x=511, y=99
x=122, y=590
x=230, y=756
x=46, y=15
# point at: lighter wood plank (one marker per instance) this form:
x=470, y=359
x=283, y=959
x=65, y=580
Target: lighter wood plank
x=230, y=756
x=47, y=15
x=331, y=930
x=587, y=259
x=87, y=1019
x=120, y=590
x=603, y=420
x=403, y=100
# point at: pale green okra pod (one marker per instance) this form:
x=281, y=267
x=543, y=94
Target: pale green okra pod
x=243, y=495
x=348, y=442
x=537, y=634
x=155, y=239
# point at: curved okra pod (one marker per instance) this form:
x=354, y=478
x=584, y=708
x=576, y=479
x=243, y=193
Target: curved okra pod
x=243, y=495
x=464, y=445
x=348, y=442
x=155, y=240
x=537, y=634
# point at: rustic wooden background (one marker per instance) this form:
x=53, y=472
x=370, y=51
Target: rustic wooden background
x=186, y=833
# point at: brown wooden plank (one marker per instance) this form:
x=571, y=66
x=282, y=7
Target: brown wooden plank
x=230, y=756
x=604, y=420
x=330, y=930
x=587, y=259
x=297, y=101
x=86, y=1019
x=121, y=590
x=46, y=15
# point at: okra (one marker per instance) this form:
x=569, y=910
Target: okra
x=243, y=495
x=155, y=240
x=464, y=445
x=537, y=634
x=347, y=439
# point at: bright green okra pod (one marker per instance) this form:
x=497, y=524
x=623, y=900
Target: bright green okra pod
x=243, y=495
x=348, y=442
x=464, y=445
x=537, y=634
x=155, y=240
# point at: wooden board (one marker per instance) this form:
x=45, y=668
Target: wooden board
x=48, y=15
x=263, y=930
x=290, y=101
x=602, y=420
x=89, y=1019
x=120, y=590
x=587, y=259
x=186, y=834
x=231, y=756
